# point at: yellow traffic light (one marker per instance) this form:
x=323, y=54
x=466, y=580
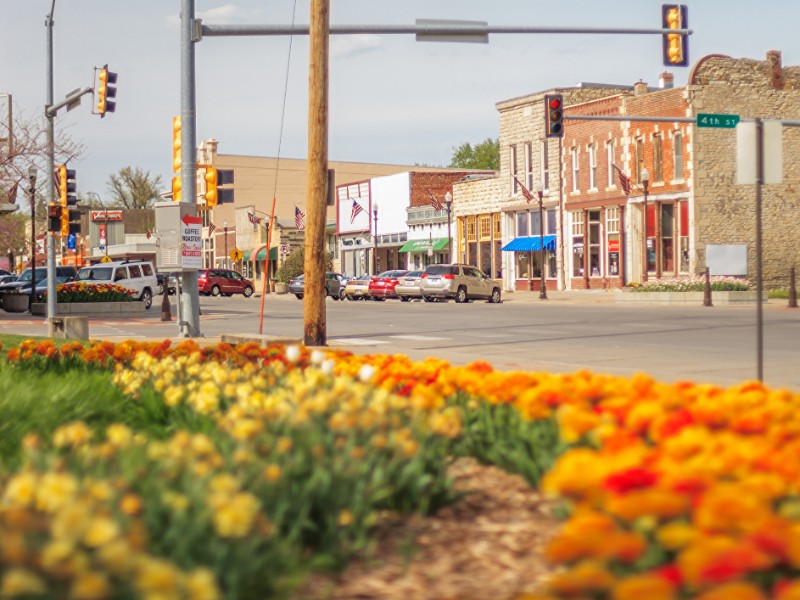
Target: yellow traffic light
x=676, y=50
x=212, y=195
x=176, y=145
x=105, y=90
x=61, y=183
x=54, y=224
x=176, y=189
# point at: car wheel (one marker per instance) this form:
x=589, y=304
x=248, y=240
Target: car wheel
x=215, y=290
x=248, y=291
x=342, y=295
x=427, y=298
x=227, y=294
x=404, y=298
x=461, y=295
x=299, y=296
x=160, y=289
x=376, y=299
x=495, y=297
x=147, y=298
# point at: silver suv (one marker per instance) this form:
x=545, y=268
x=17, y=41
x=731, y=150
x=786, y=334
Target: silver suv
x=460, y=282
x=136, y=275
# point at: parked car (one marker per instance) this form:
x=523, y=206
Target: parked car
x=8, y=279
x=382, y=285
x=162, y=283
x=223, y=281
x=23, y=284
x=3, y=273
x=136, y=275
x=408, y=286
x=460, y=282
x=41, y=287
x=357, y=288
x=333, y=286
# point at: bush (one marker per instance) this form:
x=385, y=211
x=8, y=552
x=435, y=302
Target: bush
x=693, y=283
x=293, y=265
x=80, y=291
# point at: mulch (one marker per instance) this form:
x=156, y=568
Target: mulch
x=488, y=545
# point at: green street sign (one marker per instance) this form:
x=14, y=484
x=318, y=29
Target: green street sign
x=720, y=121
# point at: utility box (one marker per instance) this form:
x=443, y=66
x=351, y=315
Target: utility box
x=179, y=237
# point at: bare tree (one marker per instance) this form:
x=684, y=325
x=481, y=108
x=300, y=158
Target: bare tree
x=133, y=188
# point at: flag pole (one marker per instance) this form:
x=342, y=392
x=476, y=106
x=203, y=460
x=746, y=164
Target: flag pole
x=266, y=268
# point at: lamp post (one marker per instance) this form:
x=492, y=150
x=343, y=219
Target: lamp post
x=645, y=186
x=543, y=283
x=32, y=180
x=375, y=239
x=225, y=231
x=448, y=202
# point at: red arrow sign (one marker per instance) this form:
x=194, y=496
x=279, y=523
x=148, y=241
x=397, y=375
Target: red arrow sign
x=187, y=219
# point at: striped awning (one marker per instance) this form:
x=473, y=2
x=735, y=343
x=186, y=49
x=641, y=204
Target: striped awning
x=530, y=243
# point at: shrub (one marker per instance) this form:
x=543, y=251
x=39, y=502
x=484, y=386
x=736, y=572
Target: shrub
x=693, y=283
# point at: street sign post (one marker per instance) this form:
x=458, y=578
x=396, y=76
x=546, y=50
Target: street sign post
x=717, y=121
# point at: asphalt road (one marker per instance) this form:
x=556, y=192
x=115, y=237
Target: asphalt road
x=671, y=343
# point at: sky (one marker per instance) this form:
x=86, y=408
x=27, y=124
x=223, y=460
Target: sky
x=392, y=99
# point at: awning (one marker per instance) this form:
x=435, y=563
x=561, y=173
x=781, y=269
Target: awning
x=262, y=254
x=530, y=243
x=423, y=245
x=246, y=255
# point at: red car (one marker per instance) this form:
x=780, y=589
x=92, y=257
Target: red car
x=224, y=282
x=382, y=286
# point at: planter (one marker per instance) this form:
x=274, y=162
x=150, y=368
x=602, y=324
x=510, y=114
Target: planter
x=16, y=303
x=687, y=298
x=281, y=288
x=93, y=309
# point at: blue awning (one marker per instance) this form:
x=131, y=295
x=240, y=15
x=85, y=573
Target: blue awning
x=529, y=243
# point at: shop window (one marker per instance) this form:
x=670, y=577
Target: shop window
x=683, y=231
x=613, y=240
x=485, y=222
x=497, y=226
x=595, y=264
x=523, y=265
x=577, y=243
x=667, y=237
x=472, y=232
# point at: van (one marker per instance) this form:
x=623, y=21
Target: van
x=136, y=275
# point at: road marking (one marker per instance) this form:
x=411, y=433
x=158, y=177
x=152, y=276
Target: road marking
x=358, y=341
x=417, y=338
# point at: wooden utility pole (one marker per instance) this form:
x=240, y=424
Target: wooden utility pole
x=316, y=183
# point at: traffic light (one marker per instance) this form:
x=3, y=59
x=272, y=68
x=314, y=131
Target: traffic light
x=176, y=145
x=676, y=45
x=70, y=222
x=65, y=182
x=553, y=115
x=176, y=189
x=106, y=89
x=212, y=195
x=54, y=217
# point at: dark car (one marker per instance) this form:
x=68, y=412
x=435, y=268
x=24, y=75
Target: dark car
x=333, y=286
x=382, y=286
x=223, y=282
x=162, y=283
x=23, y=284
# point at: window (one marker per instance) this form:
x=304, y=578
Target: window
x=575, y=170
x=593, y=166
x=677, y=144
x=658, y=171
x=522, y=224
x=612, y=219
x=472, y=233
x=639, y=159
x=120, y=274
x=577, y=243
x=535, y=224
x=135, y=271
x=147, y=269
x=613, y=240
x=595, y=264
x=545, y=167
x=485, y=222
x=512, y=158
x=529, y=165
x=610, y=164
x=551, y=221
x=498, y=234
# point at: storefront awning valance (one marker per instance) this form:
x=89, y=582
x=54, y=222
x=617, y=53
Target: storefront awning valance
x=423, y=245
x=530, y=243
x=246, y=255
x=262, y=254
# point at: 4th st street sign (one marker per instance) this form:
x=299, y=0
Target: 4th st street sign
x=718, y=121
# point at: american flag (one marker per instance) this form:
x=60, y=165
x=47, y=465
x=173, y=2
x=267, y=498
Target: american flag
x=354, y=213
x=211, y=228
x=148, y=233
x=525, y=192
x=624, y=181
x=299, y=218
x=253, y=219
x=12, y=193
x=435, y=202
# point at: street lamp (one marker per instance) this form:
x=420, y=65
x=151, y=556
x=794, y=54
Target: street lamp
x=448, y=202
x=32, y=180
x=543, y=283
x=645, y=186
x=375, y=239
x=225, y=230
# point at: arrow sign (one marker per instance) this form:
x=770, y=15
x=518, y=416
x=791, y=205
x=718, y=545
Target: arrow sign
x=190, y=220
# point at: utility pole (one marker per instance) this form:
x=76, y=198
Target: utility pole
x=51, y=192
x=317, y=178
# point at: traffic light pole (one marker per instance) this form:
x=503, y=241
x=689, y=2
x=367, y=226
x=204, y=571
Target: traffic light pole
x=51, y=193
x=190, y=294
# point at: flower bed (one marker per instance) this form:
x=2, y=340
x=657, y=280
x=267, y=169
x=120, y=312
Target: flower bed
x=263, y=459
x=83, y=291
x=692, y=283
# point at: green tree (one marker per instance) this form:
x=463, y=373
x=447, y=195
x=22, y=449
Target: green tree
x=293, y=265
x=133, y=188
x=485, y=155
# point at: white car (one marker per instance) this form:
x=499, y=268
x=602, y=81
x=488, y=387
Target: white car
x=136, y=275
x=460, y=282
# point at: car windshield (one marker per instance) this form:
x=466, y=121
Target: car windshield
x=95, y=274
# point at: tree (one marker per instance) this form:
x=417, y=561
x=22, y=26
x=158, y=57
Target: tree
x=12, y=232
x=133, y=188
x=294, y=263
x=485, y=155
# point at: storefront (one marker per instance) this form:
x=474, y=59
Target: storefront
x=531, y=254
x=424, y=252
x=252, y=266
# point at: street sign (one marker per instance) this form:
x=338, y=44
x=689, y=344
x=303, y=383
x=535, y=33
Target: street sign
x=71, y=241
x=236, y=255
x=106, y=258
x=191, y=242
x=718, y=121
x=285, y=249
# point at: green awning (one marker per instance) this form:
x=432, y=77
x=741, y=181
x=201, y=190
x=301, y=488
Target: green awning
x=423, y=245
x=247, y=254
x=262, y=254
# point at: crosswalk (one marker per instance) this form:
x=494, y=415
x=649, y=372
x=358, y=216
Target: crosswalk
x=368, y=341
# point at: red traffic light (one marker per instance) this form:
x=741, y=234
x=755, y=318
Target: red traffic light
x=554, y=115
x=555, y=102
